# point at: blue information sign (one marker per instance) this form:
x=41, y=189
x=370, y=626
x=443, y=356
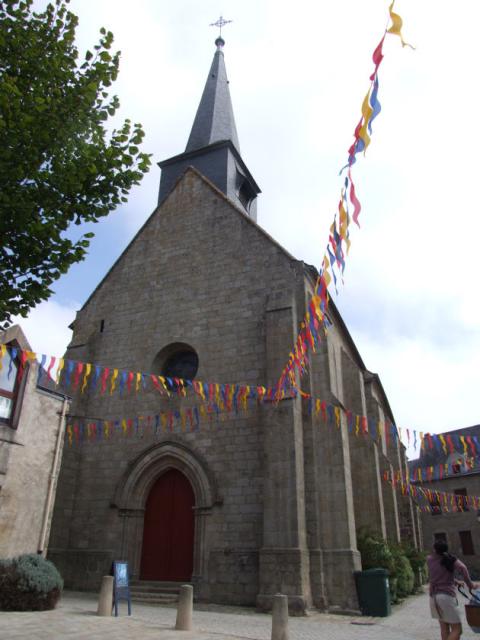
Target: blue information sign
x=121, y=589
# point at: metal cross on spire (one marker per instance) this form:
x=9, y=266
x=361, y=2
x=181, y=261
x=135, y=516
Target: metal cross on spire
x=221, y=22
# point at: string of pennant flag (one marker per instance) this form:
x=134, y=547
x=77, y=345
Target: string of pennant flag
x=194, y=418
x=217, y=401
x=79, y=377
x=315, y=323
x=436, y=499
x=75, y=376
x=439, y=471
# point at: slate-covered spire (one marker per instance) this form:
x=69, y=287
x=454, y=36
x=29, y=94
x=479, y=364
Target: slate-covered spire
x=214, y=120
x=213, y=147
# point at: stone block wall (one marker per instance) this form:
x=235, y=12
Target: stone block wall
x=27, y=454
x=199, y=273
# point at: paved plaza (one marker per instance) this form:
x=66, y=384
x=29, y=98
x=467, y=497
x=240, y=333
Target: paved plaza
x=75, y=618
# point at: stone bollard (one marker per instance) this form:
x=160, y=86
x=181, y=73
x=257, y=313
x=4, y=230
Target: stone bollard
x=105, y=598
x=185, y=608
x=280, y=617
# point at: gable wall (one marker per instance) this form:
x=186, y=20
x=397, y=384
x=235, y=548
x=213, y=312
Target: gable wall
x=200, y=273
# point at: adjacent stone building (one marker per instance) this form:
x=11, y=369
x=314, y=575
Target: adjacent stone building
x=457, y=523
x=253, y=503
x=31, y=440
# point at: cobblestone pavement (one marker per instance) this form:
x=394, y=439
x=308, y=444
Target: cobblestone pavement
x=75, y=618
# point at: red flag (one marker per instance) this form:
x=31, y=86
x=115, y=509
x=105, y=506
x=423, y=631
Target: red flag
x=377, y=57
x=103, y=380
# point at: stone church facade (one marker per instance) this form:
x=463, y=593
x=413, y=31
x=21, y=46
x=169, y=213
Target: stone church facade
x=255, y=503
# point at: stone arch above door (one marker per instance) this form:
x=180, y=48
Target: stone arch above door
x=140, y=475
x=135, y=486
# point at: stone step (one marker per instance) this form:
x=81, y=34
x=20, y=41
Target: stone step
x=154, y=598
x=155, y=592
x=156, y=586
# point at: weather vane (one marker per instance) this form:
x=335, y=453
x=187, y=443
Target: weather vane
x=221, y=22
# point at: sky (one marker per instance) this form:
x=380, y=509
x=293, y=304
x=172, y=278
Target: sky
x=298, y=74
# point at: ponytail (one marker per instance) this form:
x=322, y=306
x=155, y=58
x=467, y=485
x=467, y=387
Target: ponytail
x=448, y=561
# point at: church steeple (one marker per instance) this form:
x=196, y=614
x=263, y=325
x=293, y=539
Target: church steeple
x=214, y=120
x=213, y=147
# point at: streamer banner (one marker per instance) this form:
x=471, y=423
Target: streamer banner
x=339, y=238
x=437, y=501
x=439, y=471
x=220, y=405
x=71, y=376
x=217, y=408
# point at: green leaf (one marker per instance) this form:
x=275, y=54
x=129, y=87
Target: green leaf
x=60, y=166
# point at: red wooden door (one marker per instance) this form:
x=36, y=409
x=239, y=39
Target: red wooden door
x=167, y=551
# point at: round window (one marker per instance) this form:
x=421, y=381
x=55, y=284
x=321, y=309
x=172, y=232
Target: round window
x=182, y=364
x=177, y=360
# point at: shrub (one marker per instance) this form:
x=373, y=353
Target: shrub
x=377, y=552
x=29, y=583
x=403, y=572
x=417, y=560
x=374, y=551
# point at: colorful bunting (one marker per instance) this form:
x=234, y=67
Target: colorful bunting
x=339, y=237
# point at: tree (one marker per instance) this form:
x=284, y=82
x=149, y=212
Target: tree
x=58, y=164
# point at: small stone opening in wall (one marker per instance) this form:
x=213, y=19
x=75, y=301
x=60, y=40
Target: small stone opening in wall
x=102, y=325
x=176, y=360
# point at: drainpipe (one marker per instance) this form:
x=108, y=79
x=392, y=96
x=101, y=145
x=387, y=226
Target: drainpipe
x=52, y=481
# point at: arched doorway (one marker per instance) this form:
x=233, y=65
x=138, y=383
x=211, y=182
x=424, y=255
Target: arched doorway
x=168, y=532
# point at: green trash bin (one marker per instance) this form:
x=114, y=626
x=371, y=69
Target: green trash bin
x=373, y=592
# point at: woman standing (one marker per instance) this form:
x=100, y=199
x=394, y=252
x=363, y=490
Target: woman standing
x=442, y=567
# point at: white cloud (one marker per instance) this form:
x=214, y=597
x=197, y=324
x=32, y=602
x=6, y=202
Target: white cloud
x=46, y=327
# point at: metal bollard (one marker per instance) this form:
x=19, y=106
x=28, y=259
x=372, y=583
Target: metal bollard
x=105, y=598
x=280, y=617
x=185, y=608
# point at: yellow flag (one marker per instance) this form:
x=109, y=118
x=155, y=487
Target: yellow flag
x=245, y=398
x=88, y=368
x=164, y=384
x=396, y=28
x=444, y=444
x=343, y=219
x=326, y=274
x=114, y=381
x=337, y=415
x=367, y=114
x=61, y=362
x=3, y=351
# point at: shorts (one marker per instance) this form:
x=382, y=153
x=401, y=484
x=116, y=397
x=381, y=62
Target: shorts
x=445, y=608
